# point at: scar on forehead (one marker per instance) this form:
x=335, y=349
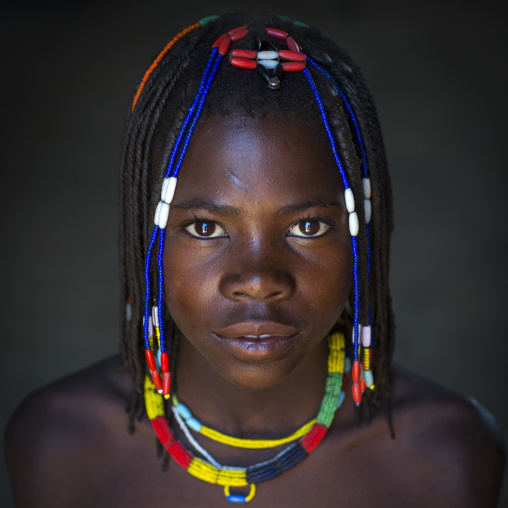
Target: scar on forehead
x=236, y=180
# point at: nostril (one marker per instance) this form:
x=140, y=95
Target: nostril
x=237, y=293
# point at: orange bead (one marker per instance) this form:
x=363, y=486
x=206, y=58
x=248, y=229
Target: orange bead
x=292, y=55
x=357, y=393
x=244, y=53
x=156, y=380
x=274, y=32
x=217, y=43
x=166, y=384
x=224, y=45
x=237, y=36
x=356, y=372
x=292, y=45
x=293, y=66
x=164, y=362
x=243, y=63
x=362, y=385
x=150, y=359
x=231, y=32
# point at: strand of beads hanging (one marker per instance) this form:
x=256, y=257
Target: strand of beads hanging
x=194, y=424
x=288, y=458
x=367, y=380
x=268, y=60
x=219, y=49
x=354, y=227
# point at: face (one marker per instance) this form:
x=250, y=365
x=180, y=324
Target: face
x=257, y=260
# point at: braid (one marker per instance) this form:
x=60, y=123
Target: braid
x=159, y=108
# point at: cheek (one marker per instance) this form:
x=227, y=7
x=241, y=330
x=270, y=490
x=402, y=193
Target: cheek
x=189, y=284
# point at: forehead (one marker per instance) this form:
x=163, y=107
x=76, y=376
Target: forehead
x=259, y=157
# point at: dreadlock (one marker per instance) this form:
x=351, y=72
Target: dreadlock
x=160, y=104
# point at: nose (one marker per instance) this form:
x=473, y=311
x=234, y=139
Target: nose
x=258, y=279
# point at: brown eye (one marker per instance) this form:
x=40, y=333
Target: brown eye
x=205, y=229
x=309, y=228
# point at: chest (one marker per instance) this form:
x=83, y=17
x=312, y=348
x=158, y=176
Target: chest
x=324, y=478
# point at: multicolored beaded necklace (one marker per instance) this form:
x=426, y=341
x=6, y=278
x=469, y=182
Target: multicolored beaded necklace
x=207, y=469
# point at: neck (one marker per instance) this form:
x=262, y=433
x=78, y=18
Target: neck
x=246, y=412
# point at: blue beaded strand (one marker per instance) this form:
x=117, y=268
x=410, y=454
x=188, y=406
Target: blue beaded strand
x=345, y=183
x=351, y=114
x=195, y=119
x=190, y=113
x=147, y=285
x=190, y=123
x=160, y=266
x=359, y=138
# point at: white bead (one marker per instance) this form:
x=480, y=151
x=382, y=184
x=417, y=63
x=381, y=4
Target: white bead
x=366, y=188
x=368, y=210
x=353, y=333
x=155, y=316
x=157, y=213
x=269, y=64
x=161, y=214
x=350, y=200
x=150, y=326
x=366, y=336
x=369, y=378
x=168, y=189
x=267, y=55
x=354, y=226
x=164, y=215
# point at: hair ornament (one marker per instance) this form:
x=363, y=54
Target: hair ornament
x=268, y=60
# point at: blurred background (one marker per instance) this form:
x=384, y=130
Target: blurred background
x=438, y=73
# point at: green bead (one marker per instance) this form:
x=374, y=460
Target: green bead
x=206, y=20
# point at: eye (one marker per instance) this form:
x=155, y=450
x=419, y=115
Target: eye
x=205, y=229
x=309, y=228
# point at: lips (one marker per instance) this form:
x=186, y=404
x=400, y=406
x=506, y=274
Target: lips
x=258, y=341
x=262, y=330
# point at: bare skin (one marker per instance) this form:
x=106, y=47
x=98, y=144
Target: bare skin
x=257, y=244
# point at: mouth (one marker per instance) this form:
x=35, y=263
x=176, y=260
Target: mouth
x=258, y=340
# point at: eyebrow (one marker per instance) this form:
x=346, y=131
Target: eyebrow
x=231, y=211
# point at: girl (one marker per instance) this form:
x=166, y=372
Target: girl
x=257, y=326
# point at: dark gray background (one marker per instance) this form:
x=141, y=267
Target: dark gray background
x=438, y=72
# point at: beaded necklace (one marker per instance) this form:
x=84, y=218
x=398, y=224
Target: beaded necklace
x=209, y=470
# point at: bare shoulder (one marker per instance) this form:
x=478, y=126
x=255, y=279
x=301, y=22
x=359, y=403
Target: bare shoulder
x=61, y=432
x=453, y=445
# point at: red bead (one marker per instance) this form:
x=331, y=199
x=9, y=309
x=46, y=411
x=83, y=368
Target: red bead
x=357, y=393
x=156, y=380
x=216, y=44
x=164, y=362
x=237, y=36
x=313, y=437
x=362, y=385
x=150, y=359
x=292, y=55
x=243, y=63
x=166, y=384
x=293, y=66
x=356, y=372
x=231, y=32
x=224, y=45
x=274, y=32
x=244, y=53
x=292, y=45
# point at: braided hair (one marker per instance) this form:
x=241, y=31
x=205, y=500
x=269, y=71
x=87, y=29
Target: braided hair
x=158, y=111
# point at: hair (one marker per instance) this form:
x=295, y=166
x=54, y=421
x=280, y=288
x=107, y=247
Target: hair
x=162, y=100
